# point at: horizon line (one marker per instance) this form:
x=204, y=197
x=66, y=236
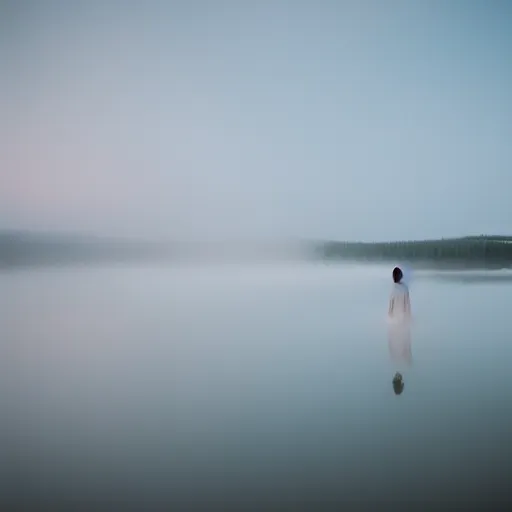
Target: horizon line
x=139, y=239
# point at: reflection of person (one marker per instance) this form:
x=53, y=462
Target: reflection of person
x=398, y=383
x=399, y=341
x=399, y=333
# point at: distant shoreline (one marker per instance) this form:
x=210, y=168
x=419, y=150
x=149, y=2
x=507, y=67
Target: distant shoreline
x=22, y=249
x=472, y=252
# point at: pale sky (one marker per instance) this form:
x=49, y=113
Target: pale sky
x=359, y=120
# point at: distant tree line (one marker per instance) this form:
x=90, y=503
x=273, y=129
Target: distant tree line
x=495, y=251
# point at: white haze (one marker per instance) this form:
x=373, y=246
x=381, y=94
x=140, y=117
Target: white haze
x=197, y=120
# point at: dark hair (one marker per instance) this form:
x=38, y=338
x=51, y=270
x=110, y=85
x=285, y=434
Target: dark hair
x=397, y=275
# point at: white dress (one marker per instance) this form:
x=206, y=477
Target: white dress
x=399, y=304
x=399, y=331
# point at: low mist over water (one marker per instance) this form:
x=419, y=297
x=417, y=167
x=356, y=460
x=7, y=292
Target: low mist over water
x=251, y=384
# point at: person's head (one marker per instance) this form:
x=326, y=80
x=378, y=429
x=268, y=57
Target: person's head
x=397, y=275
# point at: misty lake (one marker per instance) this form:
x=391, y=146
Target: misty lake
x=254, y=384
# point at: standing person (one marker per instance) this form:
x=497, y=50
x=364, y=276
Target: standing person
x=399, y=334
x=399, y=302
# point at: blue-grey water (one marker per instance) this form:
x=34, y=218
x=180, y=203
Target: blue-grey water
x=260, y=384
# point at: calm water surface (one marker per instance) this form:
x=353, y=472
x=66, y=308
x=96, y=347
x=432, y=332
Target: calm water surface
x=251, y=383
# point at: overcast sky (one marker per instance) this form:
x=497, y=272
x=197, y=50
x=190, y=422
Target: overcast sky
x=366, y=120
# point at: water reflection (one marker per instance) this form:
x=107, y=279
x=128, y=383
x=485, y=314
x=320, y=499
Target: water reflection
x=400, y=351
x=398, y=383
x=472, y=277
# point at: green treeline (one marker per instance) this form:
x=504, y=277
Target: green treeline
x=495, y=251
